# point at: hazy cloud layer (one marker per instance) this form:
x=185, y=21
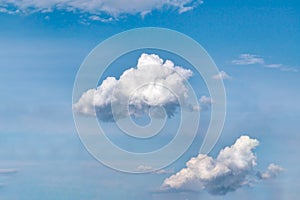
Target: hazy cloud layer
x=153, y=84
x=232, y=169
x=112, y=8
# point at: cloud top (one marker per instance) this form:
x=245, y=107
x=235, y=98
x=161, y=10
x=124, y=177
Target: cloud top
x=152, y=84
x=232, y=169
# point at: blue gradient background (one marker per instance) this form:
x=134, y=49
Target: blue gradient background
x=39, y=59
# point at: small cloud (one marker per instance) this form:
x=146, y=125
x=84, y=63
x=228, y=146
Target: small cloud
x=233, y=168
x=164, y=171
x=144, y=168
x=248, y=59
x=100, y=19
x=185, y=9
x=205, y=102
x=193, y=108
x=189, y=6
x=272, y=172
x=221, y=76
x=273, y=65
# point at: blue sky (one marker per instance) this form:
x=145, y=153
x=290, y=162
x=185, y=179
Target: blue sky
x=255, y=42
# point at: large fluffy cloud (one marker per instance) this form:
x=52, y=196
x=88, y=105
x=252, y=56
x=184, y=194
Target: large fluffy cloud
x=232, y=169
x=153, y=84
x=96, y=7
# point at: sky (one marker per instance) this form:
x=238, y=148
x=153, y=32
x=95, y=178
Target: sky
x=255, y=46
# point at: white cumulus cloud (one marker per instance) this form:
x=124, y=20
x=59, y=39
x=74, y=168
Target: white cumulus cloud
x=232, y=169
x=113, y=8
x=152, y=84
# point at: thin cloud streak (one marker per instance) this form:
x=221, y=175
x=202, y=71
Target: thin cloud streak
x=252, y=59
x=8, y=171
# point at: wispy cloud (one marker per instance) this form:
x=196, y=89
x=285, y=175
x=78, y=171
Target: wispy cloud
x=248, y=59
x=111, y=8
x=8, y=171
x=233, y=168
x=221, y=76
x=146, y=169
x=252, y=59
x=273, y=65
x=288, y=69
